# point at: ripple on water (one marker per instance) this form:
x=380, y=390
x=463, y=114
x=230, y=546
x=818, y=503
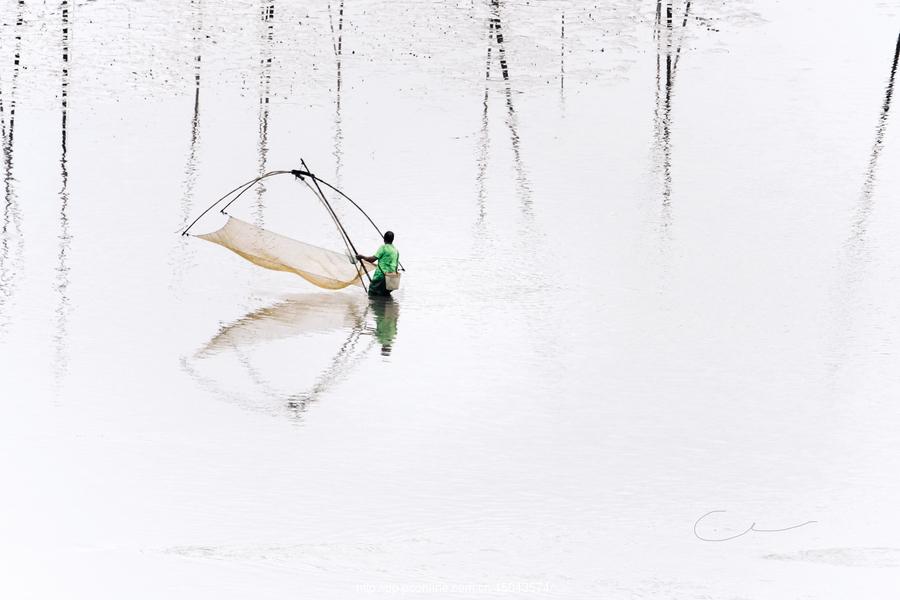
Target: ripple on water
x=845, y=557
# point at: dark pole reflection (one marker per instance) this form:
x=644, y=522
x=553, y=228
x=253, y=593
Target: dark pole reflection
x=2, y=117
x=495, y=39
x=265, y=80
x=855, y=247
x=12, y=242
x=191, y=165
x=496, y=32
x=20, y=16
x=17, y=59
x=562, y=57
x=181, y=262
x=667, y=57
x=865, y=205
x=60, y=337
x=337, y=43
x=684, y=22
x=302, y=315
x=662, y=118
x=485, y=138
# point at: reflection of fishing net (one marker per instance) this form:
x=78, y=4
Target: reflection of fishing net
x=324, y=268
x=300, y=315
x=252, y=361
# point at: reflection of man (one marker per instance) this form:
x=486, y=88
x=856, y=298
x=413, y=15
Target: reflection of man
x=386, y=257
x=386, y=313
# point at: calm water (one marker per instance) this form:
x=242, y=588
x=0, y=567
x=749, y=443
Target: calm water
x=652, y=272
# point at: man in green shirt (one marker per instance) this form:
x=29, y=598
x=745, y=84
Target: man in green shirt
x=387, y=258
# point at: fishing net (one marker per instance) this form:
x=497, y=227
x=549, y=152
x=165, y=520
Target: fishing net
x=324, y=268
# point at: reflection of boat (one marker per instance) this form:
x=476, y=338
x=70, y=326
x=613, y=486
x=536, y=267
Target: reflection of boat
x=313, y=317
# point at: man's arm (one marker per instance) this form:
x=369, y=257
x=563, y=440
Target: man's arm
x=372, y=259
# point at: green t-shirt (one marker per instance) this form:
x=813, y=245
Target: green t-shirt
x=388, y=257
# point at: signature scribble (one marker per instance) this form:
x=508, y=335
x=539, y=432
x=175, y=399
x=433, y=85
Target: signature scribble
x=752, y=527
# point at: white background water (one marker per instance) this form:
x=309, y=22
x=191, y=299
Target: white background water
x=628, y=303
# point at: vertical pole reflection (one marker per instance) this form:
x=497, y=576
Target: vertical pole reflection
x=856, y=246
x=662, y=111
x=191, y=166
x=2, y=117
x=265, y=78
x=12, y=243
x=562, y=56
x=667, y=56
x=17, y=59
x=667, y=116
x=865, y=205
x=498, y=35
x=181, y=262
x=495, y=37
x=337, y=40
x=684, y=22
x=656, y=31
x=60, y=336
x=485, y=138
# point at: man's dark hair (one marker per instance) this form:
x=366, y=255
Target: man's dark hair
x=388, y=237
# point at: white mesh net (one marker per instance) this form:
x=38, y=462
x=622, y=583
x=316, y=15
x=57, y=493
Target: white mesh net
x=325, y=268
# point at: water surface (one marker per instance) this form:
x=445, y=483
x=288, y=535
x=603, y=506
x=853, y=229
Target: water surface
x=652, y=273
